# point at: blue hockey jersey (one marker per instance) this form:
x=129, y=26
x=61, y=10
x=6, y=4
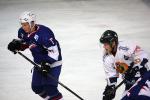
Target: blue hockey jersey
x=42, y=44
x=140, y=90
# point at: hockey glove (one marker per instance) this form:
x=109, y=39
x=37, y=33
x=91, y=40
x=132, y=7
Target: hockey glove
x=109, y=92
x=14, y=45
x=131, y=73
x=45, y=68
x=143, y=64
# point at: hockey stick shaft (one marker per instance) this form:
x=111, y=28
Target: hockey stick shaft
x=115, y=89
x=51, y=76
x=119, y=84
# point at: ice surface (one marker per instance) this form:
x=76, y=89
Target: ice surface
x=77, y=24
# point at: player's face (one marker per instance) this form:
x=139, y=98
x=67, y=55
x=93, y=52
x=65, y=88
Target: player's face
x=26, y=27
x=107, y=47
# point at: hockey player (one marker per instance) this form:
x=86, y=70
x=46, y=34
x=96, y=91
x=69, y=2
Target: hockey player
x=121, y=57
x=140, y=90
x=46, y=52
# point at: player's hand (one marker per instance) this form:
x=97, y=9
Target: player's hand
x=45, y=68
x=109, y=92
x=14, y=45
x=131, y=73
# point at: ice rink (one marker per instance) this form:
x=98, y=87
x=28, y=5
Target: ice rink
x=77, y=25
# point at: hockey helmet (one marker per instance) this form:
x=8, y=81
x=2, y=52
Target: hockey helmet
x=109, y=36
x=27, y=16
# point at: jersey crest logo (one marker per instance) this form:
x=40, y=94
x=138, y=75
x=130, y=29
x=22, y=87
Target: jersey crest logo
x=121, y=67
x=36, y=37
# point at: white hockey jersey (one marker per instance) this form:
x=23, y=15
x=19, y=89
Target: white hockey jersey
x=127, y=52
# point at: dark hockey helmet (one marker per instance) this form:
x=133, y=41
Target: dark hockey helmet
x=109, y=36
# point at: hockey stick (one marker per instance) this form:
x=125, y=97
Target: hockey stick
x=119, y=84
x=123, y=81
x=115, y=89
x=130, y=71
x=37, y=66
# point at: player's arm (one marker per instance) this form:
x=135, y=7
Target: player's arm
x=141, y=60
x=51, y=45
x=139, y=64
x=110, y=71
x=111, y=77
x=50, y=59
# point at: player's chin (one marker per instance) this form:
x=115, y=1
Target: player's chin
x=108, y=51
x=27, y=31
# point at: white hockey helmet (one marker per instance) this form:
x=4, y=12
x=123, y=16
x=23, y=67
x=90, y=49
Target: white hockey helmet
x=27, y=16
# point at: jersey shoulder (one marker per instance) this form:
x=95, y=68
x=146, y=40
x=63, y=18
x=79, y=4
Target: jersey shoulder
x=46, y=36
x=45, y=29
x=127, y=46
x=45, y=32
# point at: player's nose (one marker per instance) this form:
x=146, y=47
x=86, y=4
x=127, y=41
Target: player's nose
x=105, y=46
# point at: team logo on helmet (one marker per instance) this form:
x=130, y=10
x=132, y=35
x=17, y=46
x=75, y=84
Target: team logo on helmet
x=27, y=16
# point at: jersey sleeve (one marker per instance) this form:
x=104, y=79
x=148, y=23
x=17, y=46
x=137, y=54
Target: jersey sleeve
x=20, y=33
x=110, y=71
x=141, y=60
x=50, y=43
x=139, y=57
x=21, y=36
